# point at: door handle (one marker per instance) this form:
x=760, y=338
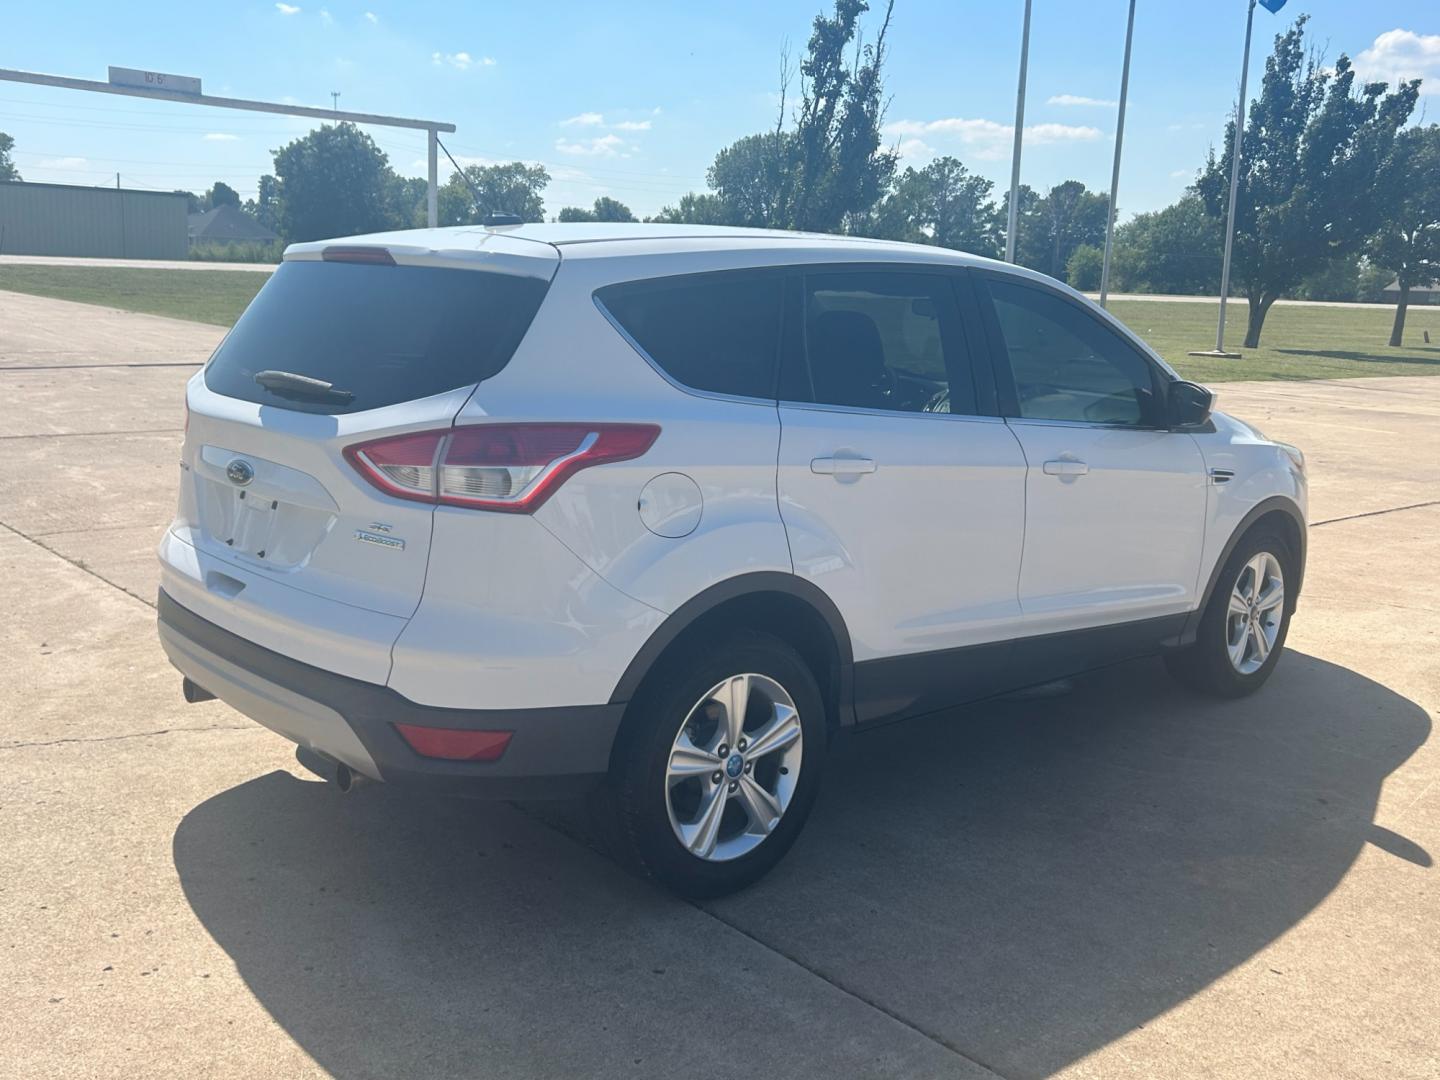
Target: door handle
x=842, y=465
x=1065, y=468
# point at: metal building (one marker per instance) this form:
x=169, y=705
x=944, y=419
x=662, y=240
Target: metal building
x=62, y=219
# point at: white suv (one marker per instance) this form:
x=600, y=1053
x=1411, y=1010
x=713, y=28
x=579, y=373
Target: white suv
x=532, y=510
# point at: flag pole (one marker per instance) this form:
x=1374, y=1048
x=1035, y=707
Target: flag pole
x=1019, y=134
x=1115, y=171
x=1219, y=349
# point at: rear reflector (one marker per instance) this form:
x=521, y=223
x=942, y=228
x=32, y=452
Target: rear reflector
x=455, y=745
x=374, y=256
x=507, y=467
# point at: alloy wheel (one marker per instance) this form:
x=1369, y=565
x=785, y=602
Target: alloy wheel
x=733, y=767
x=1257, y=608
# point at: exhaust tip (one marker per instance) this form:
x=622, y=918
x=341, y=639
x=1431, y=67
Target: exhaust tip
x=344, y=778
x=194, y=692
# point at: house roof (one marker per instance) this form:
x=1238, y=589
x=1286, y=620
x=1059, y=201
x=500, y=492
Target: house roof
x=1395, y=287
x=226, y=223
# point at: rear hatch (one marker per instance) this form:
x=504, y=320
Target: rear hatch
x=344, y=345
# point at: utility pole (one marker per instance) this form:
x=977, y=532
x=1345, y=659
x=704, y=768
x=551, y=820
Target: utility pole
x=335, y=100
x=1019, y=135
x=1115, y=172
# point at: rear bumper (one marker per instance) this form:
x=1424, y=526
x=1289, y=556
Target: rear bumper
x=555, y=752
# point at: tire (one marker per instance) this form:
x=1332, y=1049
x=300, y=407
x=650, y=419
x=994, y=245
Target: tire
x=1209, y=666
x=688, y=694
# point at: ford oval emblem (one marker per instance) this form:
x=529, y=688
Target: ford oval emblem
x=240, y=472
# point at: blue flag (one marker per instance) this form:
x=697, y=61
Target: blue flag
x=1272, y=6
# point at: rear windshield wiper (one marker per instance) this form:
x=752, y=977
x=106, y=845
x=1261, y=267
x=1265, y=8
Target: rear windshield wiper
x=288, y=384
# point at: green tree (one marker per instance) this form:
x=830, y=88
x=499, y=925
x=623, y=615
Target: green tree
x=332, y=182
x=407, y=196
x=7, y=166
x=1174, y=250
x=1052, y=226
x=221, y=194
x=754, y=178
x=827, y=173
x=695, y=209
x=193, y=202
x=1407, y=242
x=265, y=207
x=1312, y=150
x=605, y=209
x=1083, y=268
x=944, y=204
x=1373, y=279
x=1338, y=279
x=510, y=188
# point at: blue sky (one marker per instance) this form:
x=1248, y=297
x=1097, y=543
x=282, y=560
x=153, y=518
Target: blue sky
x=632, y=100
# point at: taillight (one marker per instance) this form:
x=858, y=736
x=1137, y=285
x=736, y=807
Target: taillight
x=508, y=467
x=403, y=466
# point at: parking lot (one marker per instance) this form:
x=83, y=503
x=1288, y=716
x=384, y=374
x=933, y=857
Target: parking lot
x=1117, y=880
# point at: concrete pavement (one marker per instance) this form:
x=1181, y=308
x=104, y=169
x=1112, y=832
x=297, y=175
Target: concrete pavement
x=1122, y=881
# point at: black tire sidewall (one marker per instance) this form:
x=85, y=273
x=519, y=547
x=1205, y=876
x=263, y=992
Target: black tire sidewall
x=643, y=752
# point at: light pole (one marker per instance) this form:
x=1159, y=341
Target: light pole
x=1115, y=172
x=1019, y=134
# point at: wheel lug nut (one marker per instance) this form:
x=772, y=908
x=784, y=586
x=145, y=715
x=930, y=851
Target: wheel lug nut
x=722, y=750
x=733, y=785
x=749, y=765
x=715, y=778
x=742, y=744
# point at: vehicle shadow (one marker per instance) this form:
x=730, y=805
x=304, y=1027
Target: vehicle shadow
x=1025, y=880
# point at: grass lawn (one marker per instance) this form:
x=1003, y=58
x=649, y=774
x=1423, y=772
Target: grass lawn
x=1297, y=343
x=207, y=296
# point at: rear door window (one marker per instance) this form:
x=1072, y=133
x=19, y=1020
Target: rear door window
x=717, y=332
x=882, y=339
x=381, y=334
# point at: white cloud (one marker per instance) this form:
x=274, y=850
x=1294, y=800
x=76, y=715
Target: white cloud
x=633, y=125
x=603, y=146
x=1400, y=54
x=1078, y=99
x=326, y=17
x=371, y=17
x=220, y=136
x=913, y=149
x=990, y=135
x=459, y=60
x=64, y=163
x=287, y=9
x=585, y=119
x=1179, y=174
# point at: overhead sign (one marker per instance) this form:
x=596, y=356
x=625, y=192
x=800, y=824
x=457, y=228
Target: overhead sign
x=154, y=80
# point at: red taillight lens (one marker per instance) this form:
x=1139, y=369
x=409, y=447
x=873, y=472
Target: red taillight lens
x=455, y=745
x=508, y=467
x=403, y=466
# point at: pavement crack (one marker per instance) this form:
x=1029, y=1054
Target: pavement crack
x=938, y=1040
x=131, y=735
x=1375, y=513
x=590, y=844
x=76, y=563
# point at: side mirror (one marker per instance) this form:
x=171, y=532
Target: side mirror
x=1188, y=404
